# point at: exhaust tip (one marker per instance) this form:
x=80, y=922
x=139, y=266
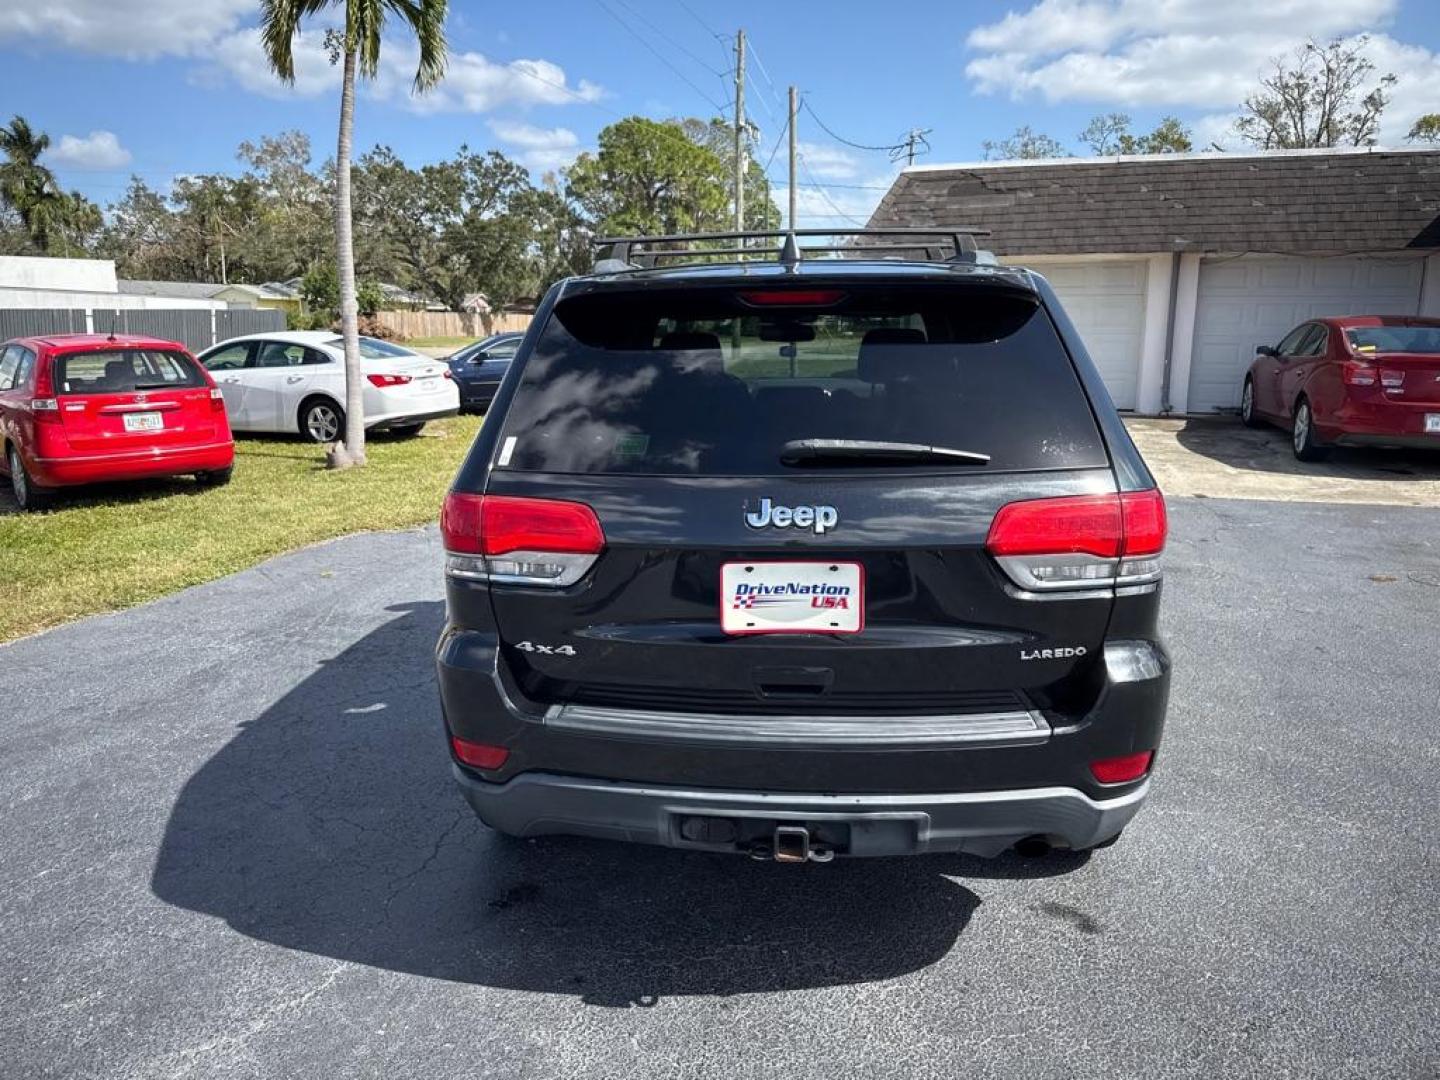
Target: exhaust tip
x=1033, y=847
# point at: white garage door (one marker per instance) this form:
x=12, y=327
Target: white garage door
x=1106, y=301
x=1256, y=300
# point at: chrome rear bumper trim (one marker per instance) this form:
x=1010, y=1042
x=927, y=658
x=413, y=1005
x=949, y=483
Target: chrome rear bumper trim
x=1015, y=728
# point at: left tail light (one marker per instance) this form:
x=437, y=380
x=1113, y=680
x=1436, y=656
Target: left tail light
x=1080, y=541
x=519, y=541
x=44, y=408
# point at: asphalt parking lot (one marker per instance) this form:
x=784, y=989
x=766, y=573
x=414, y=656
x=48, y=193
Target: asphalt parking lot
x=229, y=847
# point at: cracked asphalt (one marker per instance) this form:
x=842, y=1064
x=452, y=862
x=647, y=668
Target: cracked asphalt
x=230, y=847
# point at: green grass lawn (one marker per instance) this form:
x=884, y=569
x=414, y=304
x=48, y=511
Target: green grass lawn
x=438, y=342
x=104, y=548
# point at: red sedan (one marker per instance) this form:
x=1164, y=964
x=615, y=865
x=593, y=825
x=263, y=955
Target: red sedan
x=1361, y=380
x=81, y=408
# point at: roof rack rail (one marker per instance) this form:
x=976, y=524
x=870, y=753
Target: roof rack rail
x=619, y=253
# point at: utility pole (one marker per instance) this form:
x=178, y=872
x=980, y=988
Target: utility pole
x=794, y=115
x=740, y=154
x=913, y=143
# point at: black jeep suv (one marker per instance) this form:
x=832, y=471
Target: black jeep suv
x=804, y=557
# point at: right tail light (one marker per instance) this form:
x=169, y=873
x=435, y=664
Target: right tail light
x=513, y=540
x=1080, y=541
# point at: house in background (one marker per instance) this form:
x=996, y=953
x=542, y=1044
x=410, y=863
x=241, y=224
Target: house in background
x=1176, y=266
x=278, y=295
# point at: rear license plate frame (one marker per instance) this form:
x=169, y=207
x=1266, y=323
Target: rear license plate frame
x=737, y=619
x=136, y=422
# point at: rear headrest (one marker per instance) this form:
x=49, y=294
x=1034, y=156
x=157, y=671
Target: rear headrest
x=877, y=362
x=707, y=346
x=116, y=370
x=690, y=339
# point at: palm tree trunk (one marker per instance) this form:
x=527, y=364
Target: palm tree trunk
x=353, y=450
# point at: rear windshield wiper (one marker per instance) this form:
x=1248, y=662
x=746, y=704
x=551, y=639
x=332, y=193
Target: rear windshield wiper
x=871, y=452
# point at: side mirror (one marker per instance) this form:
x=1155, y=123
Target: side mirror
x=1267, y=350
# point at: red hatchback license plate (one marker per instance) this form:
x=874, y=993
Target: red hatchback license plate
x=792, y=598
x=144, y=421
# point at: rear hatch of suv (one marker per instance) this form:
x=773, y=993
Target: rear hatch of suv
x=860, y=433
x=126, y=398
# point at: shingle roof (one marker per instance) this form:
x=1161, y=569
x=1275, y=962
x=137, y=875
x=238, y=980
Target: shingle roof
x=1287, y=202
x=180, y=290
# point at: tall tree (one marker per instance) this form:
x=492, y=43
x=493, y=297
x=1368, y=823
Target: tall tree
x=650, y=177
x=357, y=48
x=1317, y=98
x=1425, y=129
x=1025, y=144
x=22, y=146
x=719, y=137
x=1109, y=133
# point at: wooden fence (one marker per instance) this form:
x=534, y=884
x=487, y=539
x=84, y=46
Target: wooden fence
x=438, y=324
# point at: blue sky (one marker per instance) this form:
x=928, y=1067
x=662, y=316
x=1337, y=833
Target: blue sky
x=165, y=87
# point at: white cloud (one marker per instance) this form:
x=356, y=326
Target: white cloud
x=539, y=148
x=472, y=83
x=1168, y=53
x=829, y=162
x=818, y=204
x=136, y=29
x=100, y=150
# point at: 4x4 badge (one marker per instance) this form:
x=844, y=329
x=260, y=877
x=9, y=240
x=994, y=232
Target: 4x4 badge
x=818, y=518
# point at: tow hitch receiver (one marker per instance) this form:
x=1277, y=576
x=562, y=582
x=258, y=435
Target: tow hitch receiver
x=792, y=845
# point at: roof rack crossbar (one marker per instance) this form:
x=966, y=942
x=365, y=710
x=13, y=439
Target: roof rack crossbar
x=622, y=251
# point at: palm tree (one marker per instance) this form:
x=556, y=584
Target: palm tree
x=358, y=48
x=22, y=146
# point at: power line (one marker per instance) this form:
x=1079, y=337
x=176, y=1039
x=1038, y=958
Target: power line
x=774, y=93
x=662, y=57
x=775, y=150
x=858, y=146
x=825, y=194
x=713, y=71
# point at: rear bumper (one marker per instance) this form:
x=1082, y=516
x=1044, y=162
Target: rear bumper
x=131, y=464
x=406, y=419
x=1381, y=423
x=979, y=823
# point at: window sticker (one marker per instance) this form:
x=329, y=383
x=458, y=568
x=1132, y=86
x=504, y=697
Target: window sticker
x=507, y=449
x=632, y=447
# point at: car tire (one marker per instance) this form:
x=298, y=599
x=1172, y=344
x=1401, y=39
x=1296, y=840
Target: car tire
x=1248, y=416
x=407, y=431
x=215, y=477
x=321, y=420
x=27, y=495
x=1303, y=439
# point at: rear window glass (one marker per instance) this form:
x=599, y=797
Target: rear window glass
x=373, y=348
x=1411, y=339
x=701, y=382
x=119, y=371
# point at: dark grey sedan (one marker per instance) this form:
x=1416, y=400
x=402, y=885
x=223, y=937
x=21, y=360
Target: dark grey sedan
x=478, y=369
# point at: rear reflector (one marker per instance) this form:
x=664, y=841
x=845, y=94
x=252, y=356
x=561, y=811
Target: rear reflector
x=1080, y=541
x=1121, y=770
x=478, y=755
x=519, y=541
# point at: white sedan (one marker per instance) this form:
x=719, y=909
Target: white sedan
x=294, y=380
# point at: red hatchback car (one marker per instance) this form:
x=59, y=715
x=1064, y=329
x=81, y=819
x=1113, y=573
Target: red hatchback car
x=1360, y=380
x=81, y=408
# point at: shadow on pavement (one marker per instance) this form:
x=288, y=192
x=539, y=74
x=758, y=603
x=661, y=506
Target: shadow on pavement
x=1267, y=449
x=330, y=824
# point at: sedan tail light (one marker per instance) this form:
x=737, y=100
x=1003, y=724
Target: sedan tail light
x=519, y=541
x=1353, y=374
x=388, y=380
x=1392, y=379
x=1080, y=541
